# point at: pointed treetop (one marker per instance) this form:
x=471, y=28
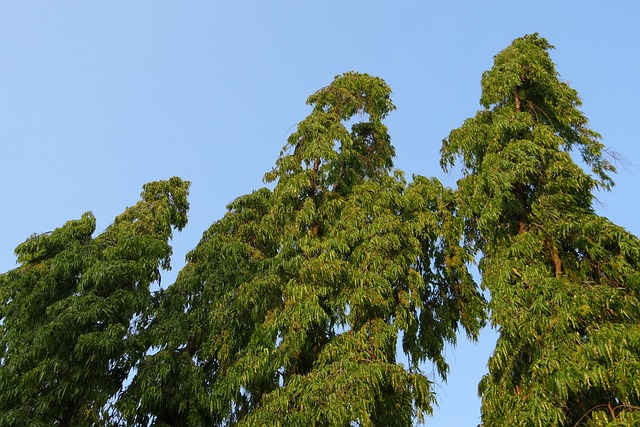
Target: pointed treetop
x=525, y=100
x=323, y=145
x=525, y=64
x=354, y=93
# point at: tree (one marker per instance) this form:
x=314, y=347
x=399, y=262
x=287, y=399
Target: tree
x=564, y=281
x=294, y=306
x=70, y=311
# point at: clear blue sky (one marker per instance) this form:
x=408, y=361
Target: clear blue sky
x=99, y=97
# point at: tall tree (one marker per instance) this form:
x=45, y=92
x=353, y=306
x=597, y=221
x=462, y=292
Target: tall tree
x=564, y=282
x=293, y=307
x=70, y=311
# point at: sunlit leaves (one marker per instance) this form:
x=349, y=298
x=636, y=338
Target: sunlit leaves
x=291, y=308
x=563, y=281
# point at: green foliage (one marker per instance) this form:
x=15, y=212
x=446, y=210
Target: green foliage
x=564, y=282
x=68, y=333
x=292, y=308
x=295, y=308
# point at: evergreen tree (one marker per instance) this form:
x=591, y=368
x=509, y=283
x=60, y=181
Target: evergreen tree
x=70, y=311
x=294, y=307
x=564, y=282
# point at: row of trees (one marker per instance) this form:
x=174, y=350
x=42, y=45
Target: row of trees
x=295, y=306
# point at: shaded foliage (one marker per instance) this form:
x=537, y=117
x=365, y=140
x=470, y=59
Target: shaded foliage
x=69, y=331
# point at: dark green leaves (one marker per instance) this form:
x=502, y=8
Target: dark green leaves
x=68, y=341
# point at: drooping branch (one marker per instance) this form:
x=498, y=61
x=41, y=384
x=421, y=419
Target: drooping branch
x=523, y=225
x=555, y=256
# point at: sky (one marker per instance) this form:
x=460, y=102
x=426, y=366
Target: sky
x=99, y=97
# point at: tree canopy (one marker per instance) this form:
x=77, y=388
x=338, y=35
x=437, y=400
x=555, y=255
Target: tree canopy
x=70, y=312
x=318, y=299
x=291, y=308
x=564, y=281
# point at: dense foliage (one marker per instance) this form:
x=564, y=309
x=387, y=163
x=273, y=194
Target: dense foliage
x=317, y=300
x=69, y=331
x=291, y=307
x=564, y=281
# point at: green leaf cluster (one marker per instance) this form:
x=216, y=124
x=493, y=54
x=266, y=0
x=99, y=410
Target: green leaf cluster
x=69, y=331
x=564, y=281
